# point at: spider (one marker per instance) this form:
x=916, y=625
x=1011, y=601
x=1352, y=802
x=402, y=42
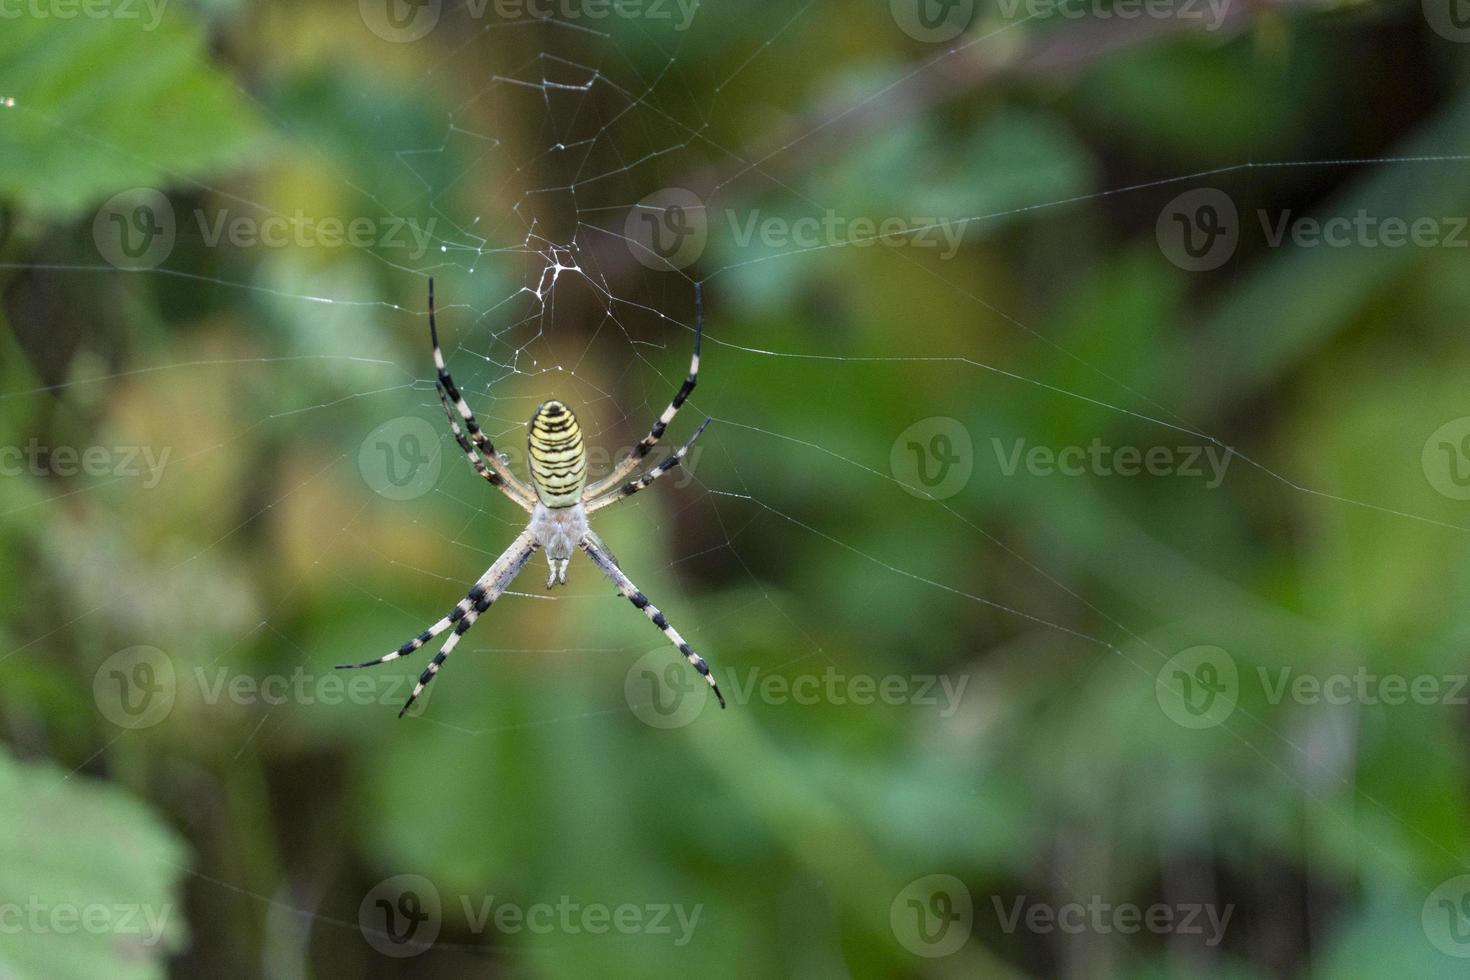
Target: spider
x=559, y=502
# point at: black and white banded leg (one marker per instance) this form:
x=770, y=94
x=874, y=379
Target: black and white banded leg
x=491, y=586
x=513, y=491
x=628, y=489
x=508, y=482
x=635, y=458
x=604, y=560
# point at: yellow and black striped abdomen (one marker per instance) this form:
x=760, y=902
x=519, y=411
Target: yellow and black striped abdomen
x=558, y=457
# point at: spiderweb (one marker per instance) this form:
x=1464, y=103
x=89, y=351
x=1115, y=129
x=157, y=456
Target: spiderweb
x=568, y=193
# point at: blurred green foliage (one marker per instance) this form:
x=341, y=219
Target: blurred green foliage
x=257, y=553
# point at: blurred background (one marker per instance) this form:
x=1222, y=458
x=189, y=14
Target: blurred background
x=1079, y=540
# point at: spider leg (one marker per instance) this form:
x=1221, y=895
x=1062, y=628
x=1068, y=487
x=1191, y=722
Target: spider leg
x=603, y=559
x=501, y=574
x=634, y=459
x=628, y=489
x=491, y=586
x=451, y=394
x=512, y=491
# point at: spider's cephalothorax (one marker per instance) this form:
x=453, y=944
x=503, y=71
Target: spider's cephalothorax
x=559, y=502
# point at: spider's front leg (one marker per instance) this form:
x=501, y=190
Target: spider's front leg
x=635, y=458
x=642, y=483
x=498, y=474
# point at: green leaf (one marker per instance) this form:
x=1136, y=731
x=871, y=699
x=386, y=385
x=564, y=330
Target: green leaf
x=88, y=879
x=103, y=105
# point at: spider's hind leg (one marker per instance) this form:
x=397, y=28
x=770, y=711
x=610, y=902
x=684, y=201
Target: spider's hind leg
x=633, y=594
